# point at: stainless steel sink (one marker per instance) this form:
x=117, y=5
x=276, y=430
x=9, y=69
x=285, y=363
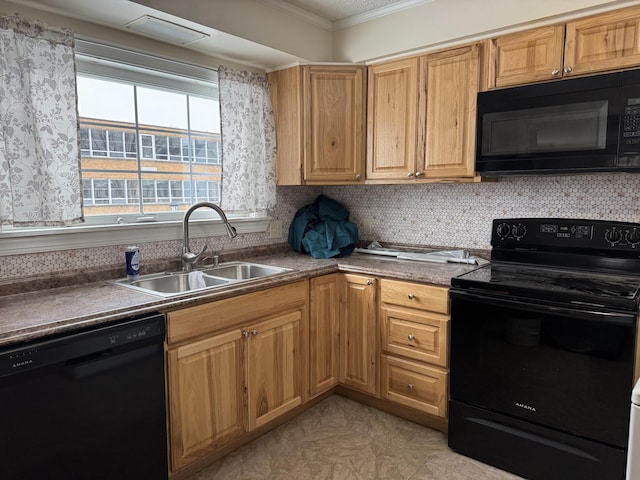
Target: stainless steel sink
x=243, y=271
x=168, y=284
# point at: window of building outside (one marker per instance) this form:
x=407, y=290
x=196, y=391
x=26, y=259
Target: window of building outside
x=145, y=150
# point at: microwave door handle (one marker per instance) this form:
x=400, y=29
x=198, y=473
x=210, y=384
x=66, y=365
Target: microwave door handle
x=625, y=319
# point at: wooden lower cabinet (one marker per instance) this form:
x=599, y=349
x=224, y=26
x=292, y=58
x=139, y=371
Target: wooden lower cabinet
x=414, y=330
x=324, y=317
x=358, y=338
x=236, y=366
x=224, y=384
x=206, y=407
x=416, y=385
x=274, y=367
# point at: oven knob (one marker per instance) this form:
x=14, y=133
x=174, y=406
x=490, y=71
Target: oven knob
x=613, y=236
x=503, y=230
x=633, y=237
x=519, y=231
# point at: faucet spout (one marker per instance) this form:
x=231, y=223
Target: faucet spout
x=189, y=258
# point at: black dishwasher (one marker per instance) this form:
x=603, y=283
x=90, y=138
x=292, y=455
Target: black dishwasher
x=87, y=405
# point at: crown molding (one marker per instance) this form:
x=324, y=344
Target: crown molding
x=312, y=18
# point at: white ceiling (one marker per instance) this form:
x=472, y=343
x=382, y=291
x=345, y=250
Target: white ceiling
x=341, y=10
x=325, y=14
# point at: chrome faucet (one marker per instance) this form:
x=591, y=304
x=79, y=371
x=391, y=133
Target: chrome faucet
x=189, y=258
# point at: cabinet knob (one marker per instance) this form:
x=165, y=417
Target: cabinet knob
x=411, y=386
x=411, y=338
x=254, y=332
x=568, y=69
x=369, y=282
x=418, y=174
x=555, y=71
x=410, y=174
x=358, y=176
x=245, y=334
x=411, y=296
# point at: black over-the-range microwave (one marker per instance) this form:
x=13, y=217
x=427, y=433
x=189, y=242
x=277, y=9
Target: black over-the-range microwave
x=579, y=125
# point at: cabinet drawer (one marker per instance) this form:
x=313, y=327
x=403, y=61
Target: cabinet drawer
x=415, y=295
x=421, y=336
x=413, y=385
x=193, y=322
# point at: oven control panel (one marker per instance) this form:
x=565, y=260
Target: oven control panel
x=589, y=234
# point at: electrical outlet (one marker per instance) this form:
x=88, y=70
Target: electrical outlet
x=366, y=227
x=275, y=229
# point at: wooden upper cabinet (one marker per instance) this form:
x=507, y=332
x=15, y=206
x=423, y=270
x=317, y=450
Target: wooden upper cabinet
x=392, y=100
x=599, y=43
x=334, y=101
x=449, y=81
x=525, y=57
x=608, y=41
x=320, y=127
x=285, y=87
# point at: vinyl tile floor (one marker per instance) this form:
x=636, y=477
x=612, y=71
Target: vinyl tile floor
x=339, y=439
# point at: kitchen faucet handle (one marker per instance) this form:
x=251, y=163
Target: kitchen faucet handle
x=190, y=258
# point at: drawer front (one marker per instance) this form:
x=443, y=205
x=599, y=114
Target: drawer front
x=413, y=385
x=421, y=336
x=415, y=295
x=193, y=322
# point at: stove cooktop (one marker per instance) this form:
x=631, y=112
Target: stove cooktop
x=561, y=285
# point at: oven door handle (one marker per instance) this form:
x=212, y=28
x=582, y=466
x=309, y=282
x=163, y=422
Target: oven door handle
x=579, y=312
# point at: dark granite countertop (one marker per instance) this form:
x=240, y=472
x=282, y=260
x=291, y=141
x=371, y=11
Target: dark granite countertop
x=31, y=315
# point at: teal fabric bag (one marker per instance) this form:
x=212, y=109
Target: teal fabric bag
x=323, y=229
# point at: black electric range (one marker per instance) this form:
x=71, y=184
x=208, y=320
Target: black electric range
x=543, y=344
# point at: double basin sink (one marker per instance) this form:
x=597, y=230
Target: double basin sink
x=174, y=283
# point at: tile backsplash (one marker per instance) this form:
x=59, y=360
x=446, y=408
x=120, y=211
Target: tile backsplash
x=448, y=215
x=460, y=215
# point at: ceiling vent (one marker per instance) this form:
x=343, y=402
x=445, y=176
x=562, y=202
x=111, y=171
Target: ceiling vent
x=164, y=30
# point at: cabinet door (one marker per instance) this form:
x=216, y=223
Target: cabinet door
x=609, y=41
x=358, y=341
x=274, y=367
x=285, y=87
x=450, y=82
x=324, y=318
x=334, y=100
x=206, y=403
x=392, y=100
x=526, y=57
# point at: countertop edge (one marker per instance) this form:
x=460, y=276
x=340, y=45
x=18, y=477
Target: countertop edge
x=127, y=303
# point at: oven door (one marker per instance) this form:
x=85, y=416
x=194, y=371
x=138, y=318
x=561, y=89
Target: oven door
x=563, y=368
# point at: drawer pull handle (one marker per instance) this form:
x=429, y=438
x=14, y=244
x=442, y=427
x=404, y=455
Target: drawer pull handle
x=369, y=282
x=411, y=386
x=411, y=338
x=411, y=296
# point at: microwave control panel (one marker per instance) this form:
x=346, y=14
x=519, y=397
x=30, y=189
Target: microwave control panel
x=630, y=128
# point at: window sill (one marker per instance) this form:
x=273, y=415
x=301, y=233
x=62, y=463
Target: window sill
x=71, y=238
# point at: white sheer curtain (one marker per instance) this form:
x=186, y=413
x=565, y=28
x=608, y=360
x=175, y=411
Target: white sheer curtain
x=39, y=163
x=248, y=142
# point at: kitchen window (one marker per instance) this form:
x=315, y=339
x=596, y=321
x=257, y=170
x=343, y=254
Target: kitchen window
x=150, y=146
x=135, y=133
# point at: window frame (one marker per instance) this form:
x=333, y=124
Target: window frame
x=110, y=62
